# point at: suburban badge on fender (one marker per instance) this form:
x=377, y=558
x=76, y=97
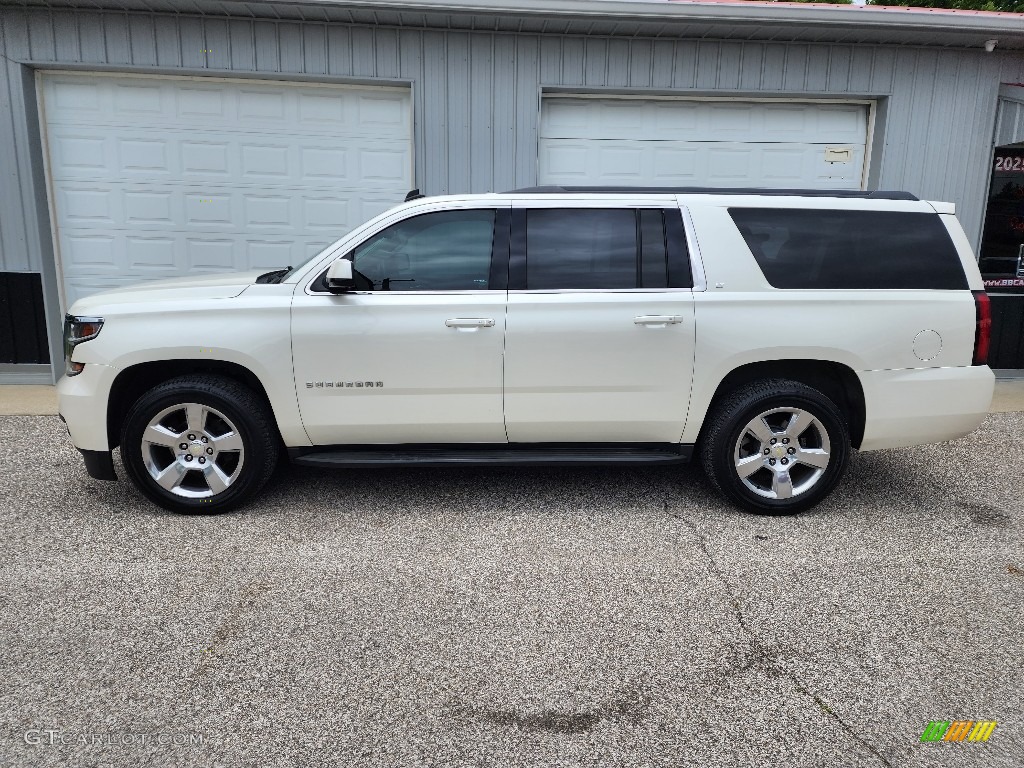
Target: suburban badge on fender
x=343, y=384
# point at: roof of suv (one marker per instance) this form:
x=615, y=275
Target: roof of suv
x=851, y=193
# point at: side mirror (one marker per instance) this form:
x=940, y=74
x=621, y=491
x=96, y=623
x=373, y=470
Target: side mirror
x=339, y=277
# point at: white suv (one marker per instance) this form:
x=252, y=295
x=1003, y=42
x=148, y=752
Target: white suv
x=770, y=331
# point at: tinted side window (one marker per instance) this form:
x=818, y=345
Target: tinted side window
x=443, y=251
x=850, y=249
x=595, y=248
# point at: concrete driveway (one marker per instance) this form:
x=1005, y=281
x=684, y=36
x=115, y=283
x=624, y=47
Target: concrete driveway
x=513, y=618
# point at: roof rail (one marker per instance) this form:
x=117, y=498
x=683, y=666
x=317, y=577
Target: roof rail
x=854, y=193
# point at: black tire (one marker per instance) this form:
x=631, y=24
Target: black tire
x=232, y=406
x=721, y=449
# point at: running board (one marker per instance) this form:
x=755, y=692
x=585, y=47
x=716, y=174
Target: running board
x=348, y=458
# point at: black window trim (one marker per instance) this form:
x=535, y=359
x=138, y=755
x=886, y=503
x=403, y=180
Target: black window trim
x=497, y=277
x=680, y=271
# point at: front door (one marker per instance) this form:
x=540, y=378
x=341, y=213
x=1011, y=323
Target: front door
x=600, y=336
x=414, y=355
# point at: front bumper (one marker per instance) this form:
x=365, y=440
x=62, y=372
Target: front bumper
x=82, y=403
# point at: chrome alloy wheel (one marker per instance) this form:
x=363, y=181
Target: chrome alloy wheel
x=192, y=450
x=782, y=453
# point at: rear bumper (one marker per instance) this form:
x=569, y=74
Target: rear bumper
x=924, y=405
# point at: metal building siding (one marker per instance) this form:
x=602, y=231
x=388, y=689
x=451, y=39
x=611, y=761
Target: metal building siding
x=15, y=254
x=476, y=93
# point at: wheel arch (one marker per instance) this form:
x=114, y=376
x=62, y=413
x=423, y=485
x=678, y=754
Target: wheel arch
x=837, y=381
x=137, y=379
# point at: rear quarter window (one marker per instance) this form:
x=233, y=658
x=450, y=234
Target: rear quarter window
x=803, y=248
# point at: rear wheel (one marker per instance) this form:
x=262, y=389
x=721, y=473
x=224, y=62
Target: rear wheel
x=199, y=444
x=775, y=447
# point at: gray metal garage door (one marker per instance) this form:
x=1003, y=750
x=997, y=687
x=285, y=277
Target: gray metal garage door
x=690, y=142
x=154, y=177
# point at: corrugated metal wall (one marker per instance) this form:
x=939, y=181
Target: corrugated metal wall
x=477, y=93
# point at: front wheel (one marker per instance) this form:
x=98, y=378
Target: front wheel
x=775, y=447
x=199, y=444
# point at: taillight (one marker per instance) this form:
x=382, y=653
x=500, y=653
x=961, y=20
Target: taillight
x=983, y=327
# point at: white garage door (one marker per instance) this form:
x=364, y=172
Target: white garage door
x=155, y=177
x=702, y=143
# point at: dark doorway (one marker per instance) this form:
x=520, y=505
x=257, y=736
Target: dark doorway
x=22, y=320
x=1002, y=257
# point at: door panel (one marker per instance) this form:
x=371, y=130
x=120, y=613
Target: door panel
x=600, y=329
x=579, y=367
x=379, y=368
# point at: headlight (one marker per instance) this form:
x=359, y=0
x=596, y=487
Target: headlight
x=77, y=330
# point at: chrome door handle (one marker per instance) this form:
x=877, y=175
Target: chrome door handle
x=658, y=319
x=469, y=322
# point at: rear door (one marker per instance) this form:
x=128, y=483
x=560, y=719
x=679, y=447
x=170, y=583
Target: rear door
x=600, y=326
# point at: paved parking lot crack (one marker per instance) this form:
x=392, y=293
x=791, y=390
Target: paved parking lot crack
x=758, y=654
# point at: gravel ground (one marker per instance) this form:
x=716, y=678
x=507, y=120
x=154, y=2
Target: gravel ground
x=513, y=617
